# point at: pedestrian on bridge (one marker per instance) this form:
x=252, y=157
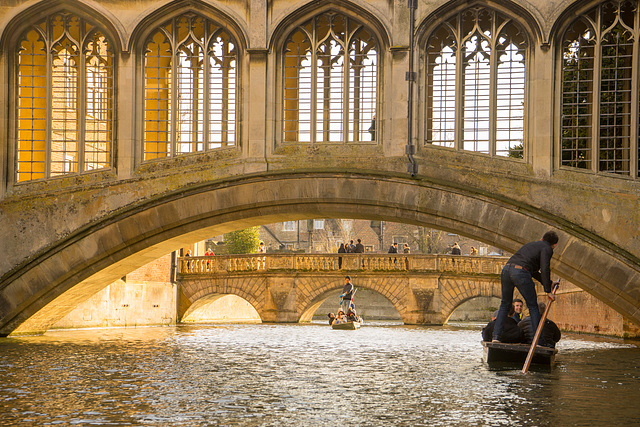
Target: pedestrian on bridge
x=533, y=260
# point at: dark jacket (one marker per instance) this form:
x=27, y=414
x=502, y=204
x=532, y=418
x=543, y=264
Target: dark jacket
x=393, y=250
x=342, y=250
x=550, y=332
x=511, y=333
x=535, y=257
x=359, y=248
x=347, y=290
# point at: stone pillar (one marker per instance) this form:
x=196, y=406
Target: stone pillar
x=280, y=301
x=129, y=97
x=423, y=302
x=541, y=110
x=255, y=97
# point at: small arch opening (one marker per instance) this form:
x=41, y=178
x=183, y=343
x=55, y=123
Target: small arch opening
x=475, y=310
x=370, y=305
x=219, y=308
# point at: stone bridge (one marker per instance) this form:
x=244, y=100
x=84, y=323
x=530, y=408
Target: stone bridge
x=425, y=289
x=70, y=223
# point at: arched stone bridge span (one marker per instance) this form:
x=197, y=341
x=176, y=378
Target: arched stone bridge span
x=425, y=289
x=66, y=237
x=67, y=245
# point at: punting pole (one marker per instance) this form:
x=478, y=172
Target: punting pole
x=536, y=337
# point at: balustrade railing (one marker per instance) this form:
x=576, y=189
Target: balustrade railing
x=222, y=264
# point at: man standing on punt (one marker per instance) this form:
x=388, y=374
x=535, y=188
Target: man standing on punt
x=533, y=260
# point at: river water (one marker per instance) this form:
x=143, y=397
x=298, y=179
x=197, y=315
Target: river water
x=307, y=375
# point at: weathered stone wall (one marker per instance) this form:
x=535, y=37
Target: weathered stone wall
x=125, y=304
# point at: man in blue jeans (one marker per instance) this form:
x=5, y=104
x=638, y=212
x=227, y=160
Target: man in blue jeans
x=533, y=260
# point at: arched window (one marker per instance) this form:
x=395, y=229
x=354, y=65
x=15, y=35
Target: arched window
x=65, y=99
x=598, y=131
x=190, y=82
x=330, y=78
x=476, y=84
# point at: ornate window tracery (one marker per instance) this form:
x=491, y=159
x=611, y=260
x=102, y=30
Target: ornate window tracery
x=599, y=131
x=65, y=81
x=476, y=70
x=190, y=82
x=330, y=78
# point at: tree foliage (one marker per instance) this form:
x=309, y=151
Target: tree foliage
x=243, y=241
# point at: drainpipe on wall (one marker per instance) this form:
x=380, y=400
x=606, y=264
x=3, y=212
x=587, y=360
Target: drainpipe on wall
x=410, y=149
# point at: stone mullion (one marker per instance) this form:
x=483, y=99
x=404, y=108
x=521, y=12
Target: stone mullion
x=49, y=92
x=634, y=150
x=195, y=87
x=345, y=83
x=595, y=105
x=313, y=114
x=173, y=92
x=226, y=61
x=206, y=113
x=81, y=115
x=459, y=95
x=493, y=90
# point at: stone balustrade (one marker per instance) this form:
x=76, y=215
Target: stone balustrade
x=223, y=264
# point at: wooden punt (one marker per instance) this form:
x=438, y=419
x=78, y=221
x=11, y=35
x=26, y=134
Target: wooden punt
x=350, y=326
x=517, y=353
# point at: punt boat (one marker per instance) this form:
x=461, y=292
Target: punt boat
x=346, y=326
x=495, y=352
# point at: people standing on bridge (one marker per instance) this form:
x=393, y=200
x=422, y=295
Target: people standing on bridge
x=359, y=248
x=533, y=260
x=262, y=261
x=209, y=252
x=406, y=249
x=188, y=254
x=347, y=294
x=393, y=249
x=455, y=249
x=352, y=247
x=341, y=250
x=474, y=251
x=517, y=307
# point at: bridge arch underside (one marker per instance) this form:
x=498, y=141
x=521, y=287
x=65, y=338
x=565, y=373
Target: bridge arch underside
x=48, y=285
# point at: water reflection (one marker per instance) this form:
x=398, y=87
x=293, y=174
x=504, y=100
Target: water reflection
x=307, y=375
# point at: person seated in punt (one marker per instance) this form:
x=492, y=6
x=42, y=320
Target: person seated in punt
x=511, y=333
x=341, y=317
x=352, y=316
x=332, y=318
x=550, y=331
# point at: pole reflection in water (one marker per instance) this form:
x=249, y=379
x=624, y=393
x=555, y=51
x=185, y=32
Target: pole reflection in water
x=307, y=375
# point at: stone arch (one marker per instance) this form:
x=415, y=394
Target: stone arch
x=149, y=20
x=566, y=17
x=69, y=269
x=202, y=305
x=87, y=9
x=312, y=300
x=528, y=21
x=297, y=14
x=195, y=290
x=456, y=291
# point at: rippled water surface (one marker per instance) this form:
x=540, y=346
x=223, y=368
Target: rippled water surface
x=307, y=375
